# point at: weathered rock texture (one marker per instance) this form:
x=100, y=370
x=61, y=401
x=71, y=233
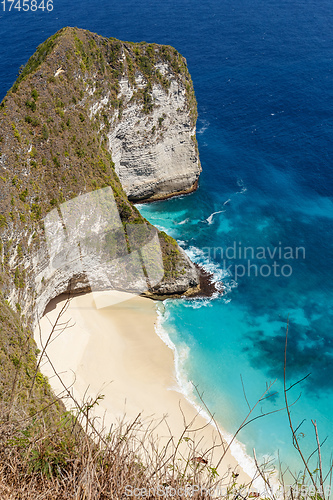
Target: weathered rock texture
x=88, y=113
x=155, y=155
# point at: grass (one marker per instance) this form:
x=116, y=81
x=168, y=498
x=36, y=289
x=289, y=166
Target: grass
x=48, y=452
x=35, y=61
x=51, y=453
x=44, y=452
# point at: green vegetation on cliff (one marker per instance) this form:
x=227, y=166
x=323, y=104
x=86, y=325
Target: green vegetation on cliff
x=53, y=149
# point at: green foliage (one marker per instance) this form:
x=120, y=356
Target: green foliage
x=23, y=195
x=19, y=277
x=45, y=132
x=46, y=460
x=16, y=133
x=33, y=152
x=169, y=240
x=34, y=94
x=56, y=161
x=170, y=254
x=80, y=152
x=147, y=100
x=36, y=211
x=31, y=105
x=59, y=103
x=41, y=379
x=86, y=59
x=16, y=360
x=36, y=60
x=60, y=112
x=145, y=64
x=125, y=210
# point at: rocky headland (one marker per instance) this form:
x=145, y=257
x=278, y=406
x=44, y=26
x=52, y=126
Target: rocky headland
x=89, y=114
x=86, y=113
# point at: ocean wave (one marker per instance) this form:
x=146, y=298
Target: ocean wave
x=219, y=276
x=200, y=257
x=184, y=386
x=240, y=183
x=161, y=228
x=204, y=126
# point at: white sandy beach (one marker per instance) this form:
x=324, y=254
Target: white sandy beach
x=115, y=351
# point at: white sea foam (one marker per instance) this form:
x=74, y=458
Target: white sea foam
x=186, y=388
x=210, y=218
x=198, y=303
x=180, y=354
x=199, y=257
x=240, y=183
x=161, y=228
x=204, y=127
x=182, y=222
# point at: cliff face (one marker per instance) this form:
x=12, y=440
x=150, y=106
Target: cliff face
x=89, y=114
x=155, y=154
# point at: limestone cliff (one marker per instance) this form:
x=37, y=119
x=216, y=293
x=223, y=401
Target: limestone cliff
x=89, y=113
x=155, y=153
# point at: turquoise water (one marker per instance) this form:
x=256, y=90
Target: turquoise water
x=262, y=73
x=241, y=335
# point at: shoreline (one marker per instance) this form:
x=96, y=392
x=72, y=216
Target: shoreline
x=237, y=448
x=121, y=351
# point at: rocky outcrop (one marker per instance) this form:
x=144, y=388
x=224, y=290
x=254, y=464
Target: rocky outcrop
x=156, y=155
x=93, y=115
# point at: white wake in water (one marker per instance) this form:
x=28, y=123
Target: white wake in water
x=210, y=218
x=182, y=222
x=200, y=257
x=204, y=127
x=219, y=276
x=240, y=183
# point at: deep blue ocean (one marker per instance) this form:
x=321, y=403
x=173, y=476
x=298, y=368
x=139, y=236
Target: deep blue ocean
x=262, y=73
